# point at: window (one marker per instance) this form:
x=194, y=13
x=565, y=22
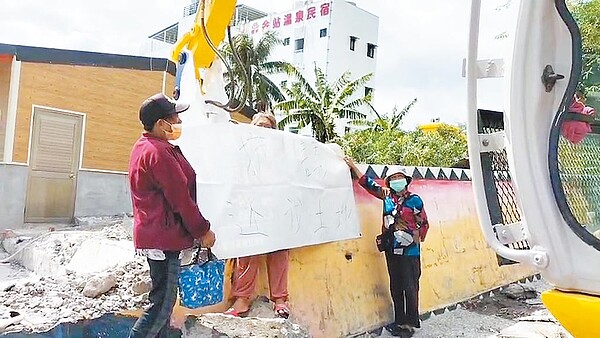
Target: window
x=323, y=32
x=371, y=50
x=286, y=41
x=299, y=45
x=353, y=42
x=368, y=91
x=294, y=130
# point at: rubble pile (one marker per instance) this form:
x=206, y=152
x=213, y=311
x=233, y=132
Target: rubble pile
x=55, y=294
x=45, y=302
x=218, y=325
x=86, y=272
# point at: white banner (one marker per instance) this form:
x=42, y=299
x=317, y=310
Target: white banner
x=265, y=190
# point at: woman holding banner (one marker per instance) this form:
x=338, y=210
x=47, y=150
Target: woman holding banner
x=404, y=228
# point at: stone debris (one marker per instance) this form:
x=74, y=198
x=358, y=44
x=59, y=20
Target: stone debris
x=55, y=294
x=141, y=285
x=45, y=302
x=218, y=325
x=99, y=285
x=520, y=292
x=539, y=316
x=534, y=330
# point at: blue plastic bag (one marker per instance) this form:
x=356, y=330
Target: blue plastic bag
x=201, y=282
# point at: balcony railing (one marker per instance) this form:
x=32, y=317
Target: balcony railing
x=190, y=9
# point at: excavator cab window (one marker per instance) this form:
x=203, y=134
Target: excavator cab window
x=574, y=154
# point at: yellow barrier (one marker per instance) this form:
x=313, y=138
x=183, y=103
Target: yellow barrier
x=342, y=288
x=334, y=296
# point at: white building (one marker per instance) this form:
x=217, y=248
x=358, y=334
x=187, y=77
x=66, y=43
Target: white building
x=336, y=36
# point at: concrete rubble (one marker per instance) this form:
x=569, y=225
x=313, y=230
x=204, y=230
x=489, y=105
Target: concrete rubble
x=218, y=325
x=81, y=273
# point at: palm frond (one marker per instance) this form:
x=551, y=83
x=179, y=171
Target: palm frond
x=265, y=46
x=350, y=88
x=362, y=101
x=270, y=89
x=302, y=118
x=398, y=117
x=362, y=123
x=321, y=81
x=287, y=106
x=274, y=67
x=300, y=80
x=341, y=81
x=351, y=114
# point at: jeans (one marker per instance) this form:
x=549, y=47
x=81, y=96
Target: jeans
x=154, y=322
x=405, y=272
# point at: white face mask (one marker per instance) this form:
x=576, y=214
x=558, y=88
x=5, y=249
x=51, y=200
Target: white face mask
x=175, y=132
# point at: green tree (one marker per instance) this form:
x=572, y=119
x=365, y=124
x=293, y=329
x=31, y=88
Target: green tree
x=440, y=148
x=321, y=105
x=255, y=57
x=587, y=14
x=374, y=147
x=386, y=121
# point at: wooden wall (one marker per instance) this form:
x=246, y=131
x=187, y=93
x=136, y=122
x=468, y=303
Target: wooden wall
x=109, y=97
x=5, y=65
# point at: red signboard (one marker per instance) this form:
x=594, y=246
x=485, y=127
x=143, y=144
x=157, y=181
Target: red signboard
x=296, y=17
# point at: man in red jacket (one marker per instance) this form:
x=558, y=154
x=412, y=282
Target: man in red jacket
x=166, y=217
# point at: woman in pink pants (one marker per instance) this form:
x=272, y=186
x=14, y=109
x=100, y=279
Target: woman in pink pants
x=246, y=268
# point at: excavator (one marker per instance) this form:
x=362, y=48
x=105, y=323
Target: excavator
x=535, y=190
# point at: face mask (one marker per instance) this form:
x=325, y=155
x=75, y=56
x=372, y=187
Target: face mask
x=398, y=185
x=175, y=132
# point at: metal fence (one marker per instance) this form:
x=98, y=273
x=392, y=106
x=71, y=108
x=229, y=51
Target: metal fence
x=500, y=194
x=579, y=167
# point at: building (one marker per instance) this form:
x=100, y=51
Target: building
x=68, y=120
x=336, y=36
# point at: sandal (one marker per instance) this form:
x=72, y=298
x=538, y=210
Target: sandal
x=233, y=312
x=282, y=311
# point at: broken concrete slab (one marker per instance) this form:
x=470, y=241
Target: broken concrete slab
x=534, y=330
x=539, y=316
x=229, y=326
x=141, y=286
x=97, y=255
x=99, y=285
x=520, y=291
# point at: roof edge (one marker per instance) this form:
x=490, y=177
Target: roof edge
x=85, y=58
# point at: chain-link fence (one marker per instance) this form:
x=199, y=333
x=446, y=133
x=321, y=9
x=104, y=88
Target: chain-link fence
x=500, y=194
x=579, y=167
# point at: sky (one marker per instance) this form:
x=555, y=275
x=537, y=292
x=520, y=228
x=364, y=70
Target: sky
x=422, y=43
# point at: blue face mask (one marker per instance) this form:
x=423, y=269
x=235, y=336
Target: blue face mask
x=398, y=185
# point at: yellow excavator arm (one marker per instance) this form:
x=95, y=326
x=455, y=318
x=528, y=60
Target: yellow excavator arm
x=212, y=19
x=198, y=48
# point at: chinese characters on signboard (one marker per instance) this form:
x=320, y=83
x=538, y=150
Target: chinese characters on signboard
x=296, y=17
